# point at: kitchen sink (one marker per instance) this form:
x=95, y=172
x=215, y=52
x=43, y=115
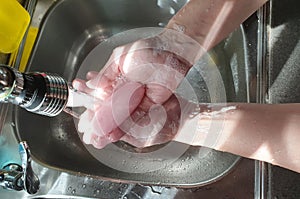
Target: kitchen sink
x=70, y=30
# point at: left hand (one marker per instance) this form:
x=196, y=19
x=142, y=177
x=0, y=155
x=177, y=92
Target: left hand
x=134, y=98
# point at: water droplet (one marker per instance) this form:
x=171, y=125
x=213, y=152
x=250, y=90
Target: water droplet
x=204, y=89
x=96, y=192
x=69, y=188
x=161, y=24
x=83, y=186
x=73, y=191
x=124, y=186
x=179, y=28
x=172, y=11
x=13, y=124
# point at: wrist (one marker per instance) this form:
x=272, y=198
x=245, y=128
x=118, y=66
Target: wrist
x=182, y=45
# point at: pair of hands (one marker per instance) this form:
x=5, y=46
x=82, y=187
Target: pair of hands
x=133, y=96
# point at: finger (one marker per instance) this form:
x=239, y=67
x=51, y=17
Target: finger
x=91, y=75
x=104, y=83
x=78, y=96
x=87, y=138
x=106, y=76
x=100, y=142
x=115, y=135
x=84, y=125
x=119, y=107
x=157, y=93
x=149, y=125
x=145, y=104
x=100, y=81
x=80, y=85
x=146, y=137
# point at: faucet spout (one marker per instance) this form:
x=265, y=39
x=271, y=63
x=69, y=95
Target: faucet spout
x=37, y=92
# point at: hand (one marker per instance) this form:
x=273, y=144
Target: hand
x=134, y=98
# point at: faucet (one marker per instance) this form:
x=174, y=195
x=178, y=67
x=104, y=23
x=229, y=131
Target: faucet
x=37, y=92
x=16, y=177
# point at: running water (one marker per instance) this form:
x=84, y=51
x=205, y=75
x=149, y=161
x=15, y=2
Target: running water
x=82, y=99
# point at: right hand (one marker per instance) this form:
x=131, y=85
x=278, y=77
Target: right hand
x=135, y=88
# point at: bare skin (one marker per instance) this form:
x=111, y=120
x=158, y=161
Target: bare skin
x=210, y=21
x=264, y=132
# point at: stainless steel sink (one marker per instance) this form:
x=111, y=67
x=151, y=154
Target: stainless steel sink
x=69, y=31
x=8, y=146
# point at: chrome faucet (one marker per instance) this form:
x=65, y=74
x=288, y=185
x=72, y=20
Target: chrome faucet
x=16, y=177
x=40, y=93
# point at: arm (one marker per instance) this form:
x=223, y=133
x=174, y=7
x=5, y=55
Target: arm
x=269, y=133
x=210, y=21
x=264, y=132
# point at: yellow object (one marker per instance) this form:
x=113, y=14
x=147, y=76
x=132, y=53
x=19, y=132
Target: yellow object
x=14, y=20
x=29, y=43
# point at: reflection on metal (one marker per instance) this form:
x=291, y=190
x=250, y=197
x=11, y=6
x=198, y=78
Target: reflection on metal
x=261, y=168
x=61, y=131
x=54, y=142
x=16, y=177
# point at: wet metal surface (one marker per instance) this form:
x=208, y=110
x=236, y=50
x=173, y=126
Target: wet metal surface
x=65, y=39
x=284, y=87
x=61, y=48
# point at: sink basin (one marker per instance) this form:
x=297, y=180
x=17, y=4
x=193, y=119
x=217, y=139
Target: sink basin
x=73, y=28
x=8, y=146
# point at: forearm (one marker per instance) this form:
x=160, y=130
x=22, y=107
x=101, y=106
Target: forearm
x=210, y=21
x=269, y=133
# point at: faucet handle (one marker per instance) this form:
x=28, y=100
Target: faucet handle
x=31, y=182
x=10, y=177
